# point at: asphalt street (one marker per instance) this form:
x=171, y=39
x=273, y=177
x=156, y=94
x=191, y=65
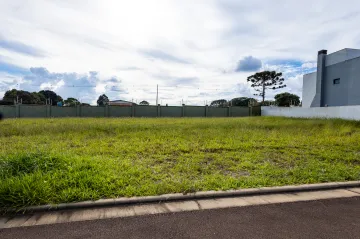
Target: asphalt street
x=333, y=218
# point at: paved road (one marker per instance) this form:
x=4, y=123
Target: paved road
x=335, y=218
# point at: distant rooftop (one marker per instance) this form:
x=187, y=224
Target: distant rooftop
x=120, y=101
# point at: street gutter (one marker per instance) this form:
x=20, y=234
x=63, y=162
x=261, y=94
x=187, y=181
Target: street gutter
x=184, y=197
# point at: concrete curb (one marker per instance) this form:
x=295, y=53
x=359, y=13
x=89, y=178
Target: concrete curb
x=190, y=196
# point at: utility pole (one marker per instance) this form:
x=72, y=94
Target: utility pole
x=157, y=94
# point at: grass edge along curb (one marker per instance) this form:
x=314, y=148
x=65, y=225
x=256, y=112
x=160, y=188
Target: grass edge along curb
x=189, y=196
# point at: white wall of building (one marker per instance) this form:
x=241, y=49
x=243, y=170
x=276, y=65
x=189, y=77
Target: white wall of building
x=309, y=89
x=343, y=112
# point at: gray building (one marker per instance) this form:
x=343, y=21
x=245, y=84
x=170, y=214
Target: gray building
x=121, y=103
x=336, y=81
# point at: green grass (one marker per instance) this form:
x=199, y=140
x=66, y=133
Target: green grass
x=53, y=161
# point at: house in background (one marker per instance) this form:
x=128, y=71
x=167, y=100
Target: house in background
x=336, y=81
x=121, y=103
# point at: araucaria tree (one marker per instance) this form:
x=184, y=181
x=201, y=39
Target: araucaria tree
x=266, y=80
x=103, y=100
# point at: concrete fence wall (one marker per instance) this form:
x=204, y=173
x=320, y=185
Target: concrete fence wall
x=145, y=111
x=8, y=111
x=195, y=111
x=31, y=111
x=217, y=112
x=171, y=111
x=63, y=111
x=43, y=111
x=343, y=112
x=120, y=111
x=92, y=111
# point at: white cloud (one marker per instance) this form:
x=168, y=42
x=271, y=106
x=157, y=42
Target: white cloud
x=53, y=87
x=309, y=65
x=145, y=43
x=100, y=89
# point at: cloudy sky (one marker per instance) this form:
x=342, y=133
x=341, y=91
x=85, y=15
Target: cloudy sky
x=195, y=50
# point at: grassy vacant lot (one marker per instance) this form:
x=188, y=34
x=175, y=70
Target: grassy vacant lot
x=64, y=160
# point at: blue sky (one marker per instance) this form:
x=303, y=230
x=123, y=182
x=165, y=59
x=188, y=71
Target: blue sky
x=196, y=51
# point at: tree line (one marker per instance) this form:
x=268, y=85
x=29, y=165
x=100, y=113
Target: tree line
x=38, y=98
x=282, y=99
x=260, y=81
x=48, y=97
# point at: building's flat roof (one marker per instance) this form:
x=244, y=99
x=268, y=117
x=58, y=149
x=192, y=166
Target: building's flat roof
x=120, y=101
x=344, y=49
x=345, y=54
x=309, y=73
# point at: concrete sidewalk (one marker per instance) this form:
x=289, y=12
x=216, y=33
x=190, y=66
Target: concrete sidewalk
x=329, y=218
x=65, y=216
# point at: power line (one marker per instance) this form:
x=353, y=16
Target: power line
x=140, y=87
x=168, y=92
x=147, y=85
x=88, y=86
